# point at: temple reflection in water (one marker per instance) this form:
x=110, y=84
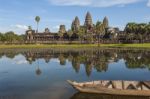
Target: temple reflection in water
x=97, y=59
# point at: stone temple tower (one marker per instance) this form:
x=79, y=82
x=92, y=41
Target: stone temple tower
x=88, y=21
x=106, y=22
x=76, y=24
x=62, y=29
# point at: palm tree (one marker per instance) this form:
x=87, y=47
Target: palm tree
x=140, y=37
x=141, y=28
x=147, y=28
x=147, y=34
x=130, y=27
x=37, y=19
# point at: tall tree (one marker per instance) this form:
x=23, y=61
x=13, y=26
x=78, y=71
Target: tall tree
x=37, y=19
x=82, y=33
x=70, y=32
x=2, y=37
x=130, y=27
x=10, y=36
x=98, y=23
x=100, y=30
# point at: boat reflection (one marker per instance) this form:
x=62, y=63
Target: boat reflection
x=100, y=96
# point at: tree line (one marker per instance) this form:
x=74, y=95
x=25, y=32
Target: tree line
x=11, y=37
x=138, y=31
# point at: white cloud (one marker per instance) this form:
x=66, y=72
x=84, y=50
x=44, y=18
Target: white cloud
x=93, y=3
x=146, y=18
x=18, y=29
x=148, y=4
x=19, y=26
x=121, y=27
x=56, y=27
x=21, y=62
x=108, y=3
x=19, y=59
x=71, y=2
x=55, y=60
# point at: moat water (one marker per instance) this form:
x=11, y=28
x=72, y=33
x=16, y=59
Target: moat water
x=42, y=73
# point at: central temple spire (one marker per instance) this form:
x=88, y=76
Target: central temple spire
x=88, y=20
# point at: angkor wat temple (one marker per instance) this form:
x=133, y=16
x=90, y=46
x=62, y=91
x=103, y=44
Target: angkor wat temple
x=89, y=32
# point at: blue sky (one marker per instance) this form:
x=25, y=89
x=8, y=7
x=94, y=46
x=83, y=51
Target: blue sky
x=16, y=15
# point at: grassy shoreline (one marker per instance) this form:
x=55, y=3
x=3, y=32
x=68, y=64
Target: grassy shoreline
x=145, y=45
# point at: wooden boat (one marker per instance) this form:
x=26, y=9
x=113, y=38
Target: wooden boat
x=132, y=88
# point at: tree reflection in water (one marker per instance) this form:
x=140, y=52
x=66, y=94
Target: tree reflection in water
x=38, y=70
x=98, y=96
x=97, y=59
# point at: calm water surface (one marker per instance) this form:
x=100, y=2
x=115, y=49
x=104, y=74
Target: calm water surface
x=42, y=74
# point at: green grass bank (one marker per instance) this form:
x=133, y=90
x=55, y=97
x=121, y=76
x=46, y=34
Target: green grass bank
x=145, y=45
